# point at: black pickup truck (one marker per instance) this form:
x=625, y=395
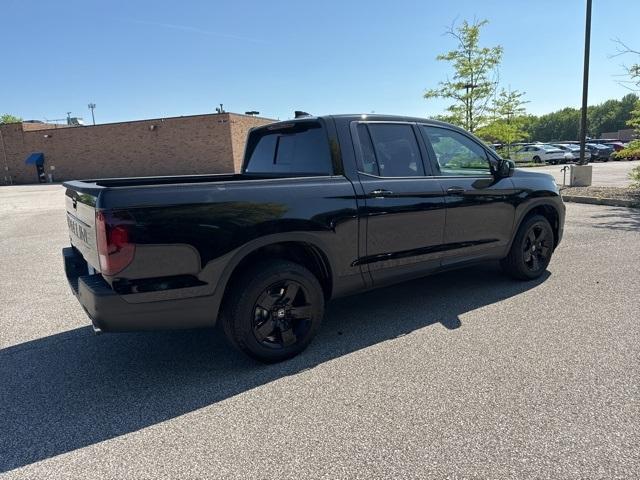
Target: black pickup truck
x=323, y=207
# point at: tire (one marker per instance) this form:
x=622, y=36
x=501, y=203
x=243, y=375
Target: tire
x=531, y=249
x=273, y=310
x=536, y=159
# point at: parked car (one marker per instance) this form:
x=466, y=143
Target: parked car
x=617, y=145
x=540, y=152
x=600, y=152
x=572, y=152
x=323, y=207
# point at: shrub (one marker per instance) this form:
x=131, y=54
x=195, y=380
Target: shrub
x=632, y=150
x=634, y=175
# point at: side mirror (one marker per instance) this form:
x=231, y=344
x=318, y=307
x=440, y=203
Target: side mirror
x=505, y=169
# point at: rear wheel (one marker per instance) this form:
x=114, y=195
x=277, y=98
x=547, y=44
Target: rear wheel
x=273, y=311
x=536, y=159
x=531, y=249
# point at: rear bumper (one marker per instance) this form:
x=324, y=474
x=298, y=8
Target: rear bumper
x=111, y=312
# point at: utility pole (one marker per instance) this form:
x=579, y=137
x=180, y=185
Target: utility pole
x=585, y=85
x=92, y=107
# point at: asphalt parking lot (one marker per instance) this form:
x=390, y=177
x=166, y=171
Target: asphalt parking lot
x=605, y=174
x=462, y=375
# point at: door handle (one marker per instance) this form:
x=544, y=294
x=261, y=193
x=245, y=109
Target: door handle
x=455, y=191
x=380, y=193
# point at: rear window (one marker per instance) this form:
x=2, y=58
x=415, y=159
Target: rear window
x=302, y=147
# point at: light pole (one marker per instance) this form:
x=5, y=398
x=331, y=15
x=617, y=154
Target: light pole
x=585, y=85
x=92, y=106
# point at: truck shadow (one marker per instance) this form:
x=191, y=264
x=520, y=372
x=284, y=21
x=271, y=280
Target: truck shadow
x=72, y=390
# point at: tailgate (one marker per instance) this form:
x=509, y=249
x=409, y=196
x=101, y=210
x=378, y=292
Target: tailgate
x=81, y=219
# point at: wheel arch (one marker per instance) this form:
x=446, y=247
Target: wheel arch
x=547, y=210
x=304, y=253
x=304, y=248
x=300, y=248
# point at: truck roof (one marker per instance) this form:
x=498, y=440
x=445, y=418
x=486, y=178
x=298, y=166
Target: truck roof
x=366, y=116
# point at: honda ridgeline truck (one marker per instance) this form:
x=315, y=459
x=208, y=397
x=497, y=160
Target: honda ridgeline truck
x=323, y=207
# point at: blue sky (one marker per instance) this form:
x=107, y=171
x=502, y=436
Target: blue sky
x=145, y=59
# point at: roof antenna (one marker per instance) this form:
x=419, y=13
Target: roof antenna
x=300, y=114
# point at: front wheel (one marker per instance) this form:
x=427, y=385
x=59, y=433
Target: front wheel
x=273, y=310
x=536, y=159
x=531, y=249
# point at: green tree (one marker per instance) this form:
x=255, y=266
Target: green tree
x=634, y=118
x=564, y=124
x=555, y=126
x=632, y=72
x=633, y=83
x=610, y=116
x=629, y=104
x=602, y=118
x=507, y=121
x=7, y=118
x=633, y=149
x=474, y=79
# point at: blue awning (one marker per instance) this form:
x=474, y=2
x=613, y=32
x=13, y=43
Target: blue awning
x=36, y=158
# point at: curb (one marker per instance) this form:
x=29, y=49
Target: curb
x=612, y=202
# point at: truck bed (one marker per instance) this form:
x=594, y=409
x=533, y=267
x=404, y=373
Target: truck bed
x=92, y=184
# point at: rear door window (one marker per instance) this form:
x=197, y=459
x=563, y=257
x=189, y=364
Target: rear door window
x=389, y=150
x=301, y=148
x=368, y=163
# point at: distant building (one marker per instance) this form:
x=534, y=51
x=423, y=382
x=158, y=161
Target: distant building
x=211, y=143
x=625, y=135
x=29, y=125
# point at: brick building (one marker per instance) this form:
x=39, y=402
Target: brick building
x=625, y=135
x=211, y=143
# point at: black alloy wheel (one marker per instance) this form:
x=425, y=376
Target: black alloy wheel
x=273, y=310
x=537, y=247
x=531, y=249
x=282, y=315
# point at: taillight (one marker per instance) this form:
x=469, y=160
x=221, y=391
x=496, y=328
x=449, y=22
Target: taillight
x=115, y=247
